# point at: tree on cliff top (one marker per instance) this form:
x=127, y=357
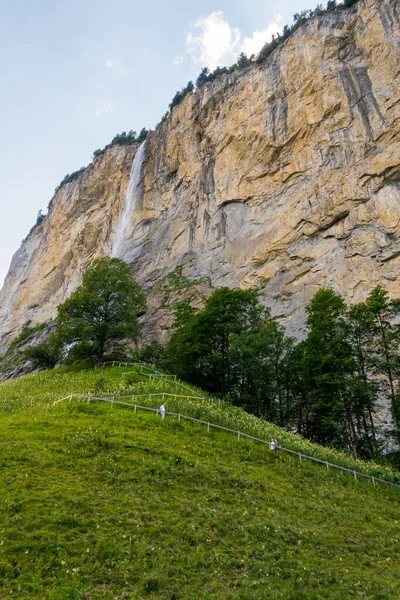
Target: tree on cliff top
x=101, y=315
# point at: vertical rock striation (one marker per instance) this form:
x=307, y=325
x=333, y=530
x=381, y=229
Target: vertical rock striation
x=284, y=176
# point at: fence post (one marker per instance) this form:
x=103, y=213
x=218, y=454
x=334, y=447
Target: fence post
x=70, y=398
x=113, y=362
x=238, y=435
x=163, y=395
x=179, y=418
x=112, y=400
x=300, y=456
x=327, y=466
x=373, y=480
x=135, y=409
x=208, y=427
x=355, y=474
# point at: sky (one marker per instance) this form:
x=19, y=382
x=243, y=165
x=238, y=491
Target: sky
x=74, y=74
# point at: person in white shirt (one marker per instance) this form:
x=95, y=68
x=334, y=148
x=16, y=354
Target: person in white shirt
x=272, y=445
x=162, y=410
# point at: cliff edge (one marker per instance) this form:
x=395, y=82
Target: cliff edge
x=284, y=176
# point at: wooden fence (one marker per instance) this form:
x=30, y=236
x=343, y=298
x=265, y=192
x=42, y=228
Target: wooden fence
x=239, y=434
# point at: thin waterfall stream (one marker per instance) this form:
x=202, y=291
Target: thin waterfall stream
x=132, y=194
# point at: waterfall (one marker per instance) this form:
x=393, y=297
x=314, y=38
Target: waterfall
x=131, y=196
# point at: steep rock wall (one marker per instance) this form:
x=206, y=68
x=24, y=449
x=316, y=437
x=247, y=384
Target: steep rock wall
x=284, y=177
x=79, y=228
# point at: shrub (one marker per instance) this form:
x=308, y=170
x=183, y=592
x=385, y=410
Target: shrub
x=47, y=354
x=179, y=96
x=70, y=178
x=26, y=333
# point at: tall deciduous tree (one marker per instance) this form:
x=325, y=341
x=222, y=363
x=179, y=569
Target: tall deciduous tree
x=201, y=347
x=361, y=337
x=384, y=313
x=330, y=363
x=101, y=315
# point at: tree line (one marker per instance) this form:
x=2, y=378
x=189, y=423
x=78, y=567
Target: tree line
x=327, y=387
x=244, y=61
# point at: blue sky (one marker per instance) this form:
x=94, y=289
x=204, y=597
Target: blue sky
x=76, y=73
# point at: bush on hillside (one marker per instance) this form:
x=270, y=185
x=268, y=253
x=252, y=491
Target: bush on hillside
x=47, y=354
x=26, y=334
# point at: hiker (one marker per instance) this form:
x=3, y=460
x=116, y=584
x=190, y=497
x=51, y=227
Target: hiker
x=272, y=445
x=277, y=446
x=162, y=410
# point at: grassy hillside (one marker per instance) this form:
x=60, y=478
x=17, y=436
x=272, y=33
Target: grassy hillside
x=38, y=392
x=99, y=503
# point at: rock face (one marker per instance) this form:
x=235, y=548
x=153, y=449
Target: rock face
x=79, y=227
x=284, y=176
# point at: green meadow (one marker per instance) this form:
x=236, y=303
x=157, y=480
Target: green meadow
x=97, y=502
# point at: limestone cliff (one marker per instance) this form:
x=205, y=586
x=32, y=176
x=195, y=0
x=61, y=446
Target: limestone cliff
x=79, y=227
x=284, y=176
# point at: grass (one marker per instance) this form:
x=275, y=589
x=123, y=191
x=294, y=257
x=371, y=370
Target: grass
x=38, y=391
x=100, y=503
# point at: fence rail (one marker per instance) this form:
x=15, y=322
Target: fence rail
x=155, y=375
x=239, y=434
x=118, y=363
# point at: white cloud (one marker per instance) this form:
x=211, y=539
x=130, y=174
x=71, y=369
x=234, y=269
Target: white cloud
x=108, y=107
x=178, y=60
x=219, y=44
x=112, y=65
x=252, y=45
x=216, y=44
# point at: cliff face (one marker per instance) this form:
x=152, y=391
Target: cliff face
x=49, y=264
x=284, y=176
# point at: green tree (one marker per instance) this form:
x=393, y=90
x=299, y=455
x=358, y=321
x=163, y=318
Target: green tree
x=260, y=359
x=384, y=313
x=101, y=315
x=200, y=350
x=203, y=77
x=47, y=354
x=329, y=361
x=179, y=96
x=243, y=61
x=152, y=353
x=365, y=387
x=299, y=387
x=142, y=135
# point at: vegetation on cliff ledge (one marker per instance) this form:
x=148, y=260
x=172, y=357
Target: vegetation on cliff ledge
x=205, y=76
x=244, y=61
x=124, y=139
